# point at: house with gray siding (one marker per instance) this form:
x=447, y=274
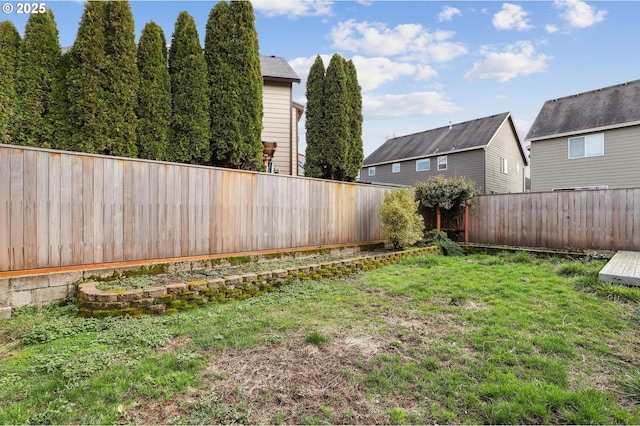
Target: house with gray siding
x=589, y=140
x=486, y=150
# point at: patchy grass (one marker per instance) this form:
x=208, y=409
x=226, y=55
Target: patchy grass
x=478, y=339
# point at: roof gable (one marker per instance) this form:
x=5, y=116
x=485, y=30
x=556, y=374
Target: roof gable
x=473, y=134
x=611, y=106
x=276, y=68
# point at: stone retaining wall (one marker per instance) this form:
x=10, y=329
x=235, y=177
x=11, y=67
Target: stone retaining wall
x=41, y=288
x=174, y=297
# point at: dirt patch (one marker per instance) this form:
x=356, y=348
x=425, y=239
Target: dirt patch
x=292, y=380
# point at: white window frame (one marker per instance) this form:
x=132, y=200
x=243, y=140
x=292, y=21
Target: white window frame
x=504, y=165
x=441, y=162
x=395, y=169
x=424, y=160
x=372, y=171
x=597, y=138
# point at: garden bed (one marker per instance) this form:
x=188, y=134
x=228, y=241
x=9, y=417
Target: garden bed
x=165, y=293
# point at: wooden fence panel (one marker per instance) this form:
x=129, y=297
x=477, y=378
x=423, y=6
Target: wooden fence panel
x=598, y=220
x=60, y=208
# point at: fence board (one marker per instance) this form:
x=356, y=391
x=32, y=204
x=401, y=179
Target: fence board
x=5, y=210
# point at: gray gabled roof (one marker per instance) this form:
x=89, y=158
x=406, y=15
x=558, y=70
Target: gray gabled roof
x=276, y=68
x=609, y=107
x=473, y=134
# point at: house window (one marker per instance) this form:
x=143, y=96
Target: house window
x=442, y=163
x=504, y=167
x=586, y=146
x=395, y=168
x=422, y=165
x=372, y=171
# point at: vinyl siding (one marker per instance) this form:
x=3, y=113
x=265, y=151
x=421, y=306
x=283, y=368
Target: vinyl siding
x=277, y=123
x=619, y=167
x=294, y=134
x=504, y=145
x=467, y=163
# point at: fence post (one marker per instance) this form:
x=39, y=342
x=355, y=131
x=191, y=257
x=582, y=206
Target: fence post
x=438, y=217
x=466, y=223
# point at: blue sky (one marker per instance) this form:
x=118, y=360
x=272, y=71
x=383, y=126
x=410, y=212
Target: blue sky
x=423, y=64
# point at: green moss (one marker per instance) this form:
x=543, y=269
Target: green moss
x=239, y=260
x=272, y=256
x=166, y=298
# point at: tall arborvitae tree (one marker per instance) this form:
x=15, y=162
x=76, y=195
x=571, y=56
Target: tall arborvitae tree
x=355, y=154
x=336, y=120
x=39, y=58
x=86, y=79
x=121, y=80
x=224, y=93
x=9, y=52
x=247, y=66
x=154, y=94
x=189, y=140
x=60, y=106
x=314, y=122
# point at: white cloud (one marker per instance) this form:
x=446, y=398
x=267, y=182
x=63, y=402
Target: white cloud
x=448, y=12
x=372, y=72
x=516, y=60
x=406, y=105
x=551, y=29
x=412, y=40
x=511, y=17
x=579, y=14
x=293, y=8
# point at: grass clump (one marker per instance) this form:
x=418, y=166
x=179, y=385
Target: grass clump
x=317, y=339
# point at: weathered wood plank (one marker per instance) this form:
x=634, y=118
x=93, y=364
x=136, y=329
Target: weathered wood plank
x=55, y=209
x=98, y=211
x=5, y=210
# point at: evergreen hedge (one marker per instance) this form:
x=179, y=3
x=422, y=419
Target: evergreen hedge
x=154, y=94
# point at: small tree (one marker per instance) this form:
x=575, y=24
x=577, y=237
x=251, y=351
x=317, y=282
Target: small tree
x=402, y=225
x=449, y=196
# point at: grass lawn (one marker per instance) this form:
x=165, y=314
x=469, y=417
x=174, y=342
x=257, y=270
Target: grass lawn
x=476, y=339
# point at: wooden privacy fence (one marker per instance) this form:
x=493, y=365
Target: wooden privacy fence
x=60, y=208
x=600, y=220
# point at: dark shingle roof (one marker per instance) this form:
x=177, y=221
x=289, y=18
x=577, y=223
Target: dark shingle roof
x=276, y=68
x=468, y=135
x=607, y=107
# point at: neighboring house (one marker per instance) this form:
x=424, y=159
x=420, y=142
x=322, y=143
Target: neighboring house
x=588, y=141
x=281, y=116
x=486, y=150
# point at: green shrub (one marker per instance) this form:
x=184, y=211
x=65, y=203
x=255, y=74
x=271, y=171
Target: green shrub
x=402, y=225
x=440, y=239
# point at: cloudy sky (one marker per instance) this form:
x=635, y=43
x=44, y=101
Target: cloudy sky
x=423, y=64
